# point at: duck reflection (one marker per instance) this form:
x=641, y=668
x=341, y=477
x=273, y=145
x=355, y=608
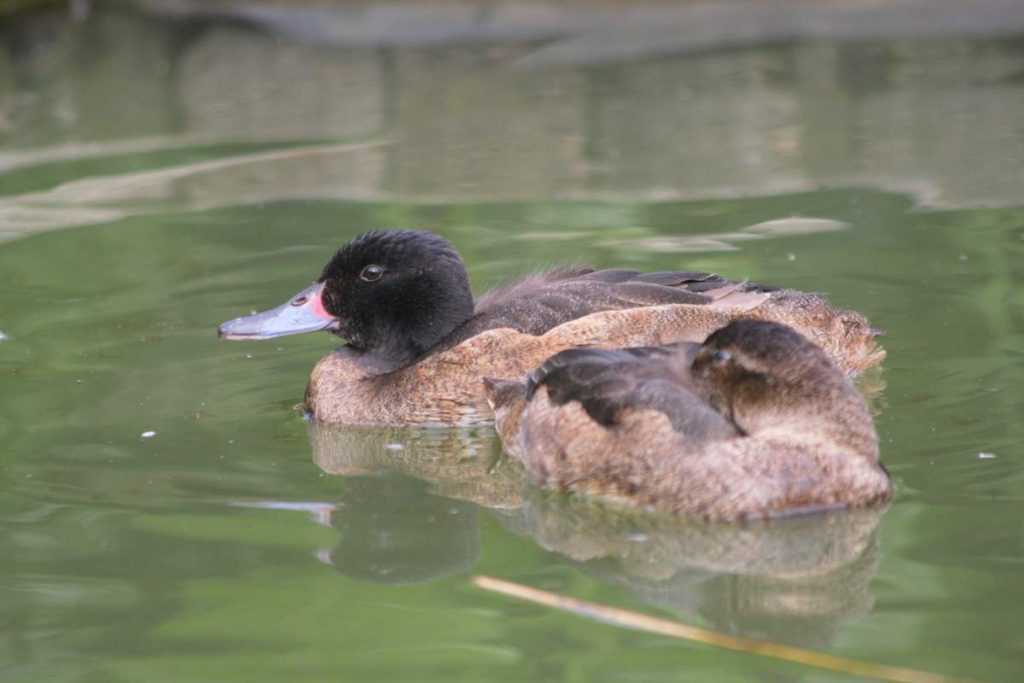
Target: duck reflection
x=391, y=530
x=463, y=463
x=408, y=513
x=793, y=580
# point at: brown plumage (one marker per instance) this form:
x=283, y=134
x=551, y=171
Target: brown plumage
x=418, y=344
x=755, y=422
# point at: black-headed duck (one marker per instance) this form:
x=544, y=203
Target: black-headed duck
x=755, y=422
x=418, y=343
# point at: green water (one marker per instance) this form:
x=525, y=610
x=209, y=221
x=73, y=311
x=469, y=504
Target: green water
x=161, y=174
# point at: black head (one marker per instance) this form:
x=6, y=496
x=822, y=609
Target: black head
x=396, y=293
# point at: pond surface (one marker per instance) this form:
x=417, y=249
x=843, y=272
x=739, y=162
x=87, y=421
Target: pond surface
x=166, y=515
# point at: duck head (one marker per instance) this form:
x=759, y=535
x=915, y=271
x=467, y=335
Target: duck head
x=391, y=294
x=765, y=376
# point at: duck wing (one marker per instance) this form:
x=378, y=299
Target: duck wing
x=607, y=382
x=542, y=302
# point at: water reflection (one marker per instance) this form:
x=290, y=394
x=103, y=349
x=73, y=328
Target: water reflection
x=493, y=115
x=392, y=531
x=796, y=581
x=464, y=464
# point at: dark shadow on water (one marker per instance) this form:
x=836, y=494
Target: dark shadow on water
x=407, y=511
x=392, y=531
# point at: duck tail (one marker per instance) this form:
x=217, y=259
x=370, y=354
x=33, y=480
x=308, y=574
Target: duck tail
x=735, y=296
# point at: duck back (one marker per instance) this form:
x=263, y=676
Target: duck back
x=515, y=328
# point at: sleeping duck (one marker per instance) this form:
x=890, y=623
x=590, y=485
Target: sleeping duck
x=755, y=422
x=418, y=343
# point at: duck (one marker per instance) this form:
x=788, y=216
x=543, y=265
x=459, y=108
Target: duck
x=756, y=422
x=417, y=342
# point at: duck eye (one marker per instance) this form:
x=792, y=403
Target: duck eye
x=721, y=357
x=371, y=273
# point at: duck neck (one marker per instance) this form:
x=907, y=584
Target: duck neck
x=407, y=329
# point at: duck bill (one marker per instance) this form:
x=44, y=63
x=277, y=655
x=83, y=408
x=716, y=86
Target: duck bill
x=304, y=312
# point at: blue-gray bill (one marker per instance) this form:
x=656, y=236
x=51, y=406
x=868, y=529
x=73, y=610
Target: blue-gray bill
x=304, y=312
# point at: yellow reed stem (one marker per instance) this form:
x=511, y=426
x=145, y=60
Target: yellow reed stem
x=674, y=629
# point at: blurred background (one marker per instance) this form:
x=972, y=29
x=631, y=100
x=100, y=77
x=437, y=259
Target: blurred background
x=490, y=101
x=169, y=164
